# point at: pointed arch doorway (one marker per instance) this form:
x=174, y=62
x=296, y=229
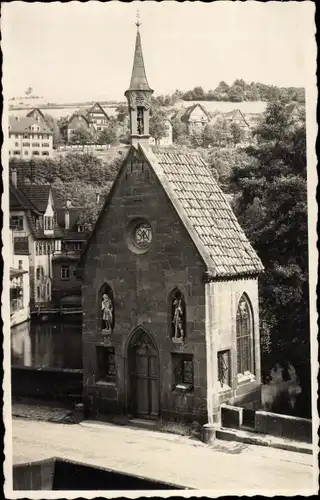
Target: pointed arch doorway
x=143, y=374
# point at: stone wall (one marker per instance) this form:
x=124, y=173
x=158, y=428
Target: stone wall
x=141, y=285
x=46, y=384
x=284, y=426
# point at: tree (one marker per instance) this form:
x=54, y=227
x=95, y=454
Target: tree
x=108, y=135
x=236, y=94
x=54, y=126
x=237, y=133
x=81, y=136
x=221, y=135
x=272, y=207
x=157, y=125
x=122, y=112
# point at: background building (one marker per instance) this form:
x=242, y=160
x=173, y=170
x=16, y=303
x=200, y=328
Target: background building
x=29, y=137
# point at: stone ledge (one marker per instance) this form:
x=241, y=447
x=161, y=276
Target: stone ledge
x=263, y=440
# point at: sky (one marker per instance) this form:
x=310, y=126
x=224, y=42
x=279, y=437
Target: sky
x=84, y=51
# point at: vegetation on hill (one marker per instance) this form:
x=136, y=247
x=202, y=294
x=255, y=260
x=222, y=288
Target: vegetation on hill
x=271, y=205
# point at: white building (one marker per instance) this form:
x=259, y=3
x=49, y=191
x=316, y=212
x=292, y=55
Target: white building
x=29, y=137
x=34, y=239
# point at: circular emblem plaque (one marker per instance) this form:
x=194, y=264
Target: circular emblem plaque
x=142, y=235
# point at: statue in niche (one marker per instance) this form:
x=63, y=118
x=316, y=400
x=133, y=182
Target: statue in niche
x=178, y=318
x=140, y=126
x=107, y=313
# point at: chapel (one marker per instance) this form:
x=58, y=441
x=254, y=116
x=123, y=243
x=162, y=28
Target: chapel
x=169, y=287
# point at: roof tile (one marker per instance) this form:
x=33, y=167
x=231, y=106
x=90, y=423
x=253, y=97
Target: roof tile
x=204, y=205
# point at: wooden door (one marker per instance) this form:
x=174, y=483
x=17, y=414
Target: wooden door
x=145, y=377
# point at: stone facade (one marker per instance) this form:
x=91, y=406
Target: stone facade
x=141, y=286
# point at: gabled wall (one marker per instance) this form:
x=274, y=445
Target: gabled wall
x=141, y=285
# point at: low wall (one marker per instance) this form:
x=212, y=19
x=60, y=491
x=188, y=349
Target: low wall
x=263, y=422
x=46, y=384
x=296, y=428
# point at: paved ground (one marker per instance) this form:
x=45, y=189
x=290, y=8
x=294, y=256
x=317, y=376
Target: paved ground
x=226, y=467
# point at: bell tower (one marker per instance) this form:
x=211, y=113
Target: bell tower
x=139, y=96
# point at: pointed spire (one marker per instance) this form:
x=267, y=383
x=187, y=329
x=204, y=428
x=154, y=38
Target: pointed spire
x=138, y=78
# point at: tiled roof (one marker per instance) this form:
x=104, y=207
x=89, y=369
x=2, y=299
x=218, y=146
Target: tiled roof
x=18, y=200
x=232, y=114
x=37, y=194
x=183, y=114
x=204, y=210
x=23, y=126
x=31, y=113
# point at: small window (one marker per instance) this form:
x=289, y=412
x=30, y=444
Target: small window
x=183, y=375
x=80, y=229
x=26, y=152
x=26, y=144
x=21, y=245
x=224, y=374
x=45, y=153
x=35, y=153
x=16, y=144
x=106, y=364
x=16, y=152
x=48, y=223
x=20, y=264
x=39, y=273
x=65, y=272
x=78, y=246
x=16, y=222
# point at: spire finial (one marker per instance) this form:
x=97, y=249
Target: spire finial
x=138, y=24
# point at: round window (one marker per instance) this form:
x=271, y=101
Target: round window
x=142, y=235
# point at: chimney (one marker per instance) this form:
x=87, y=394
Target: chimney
x=97, y=198
x=14, y=177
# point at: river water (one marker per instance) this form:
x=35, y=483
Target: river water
x=55, y=343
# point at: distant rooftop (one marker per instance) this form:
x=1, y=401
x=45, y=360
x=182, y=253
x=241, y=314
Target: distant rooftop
x=24, y=125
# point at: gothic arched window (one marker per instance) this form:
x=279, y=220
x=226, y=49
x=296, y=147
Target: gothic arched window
x=106, y=309
x=244, y=329
x=177, y=314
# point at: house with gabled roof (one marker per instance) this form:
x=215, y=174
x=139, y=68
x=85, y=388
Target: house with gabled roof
x=93, y=119
x=37, y=114
x=169, y=287
x=29, y=137
x=196, y=117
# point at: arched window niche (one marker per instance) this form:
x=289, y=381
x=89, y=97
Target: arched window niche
x=245, y=342
x=177, y=315
x=106, y=317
